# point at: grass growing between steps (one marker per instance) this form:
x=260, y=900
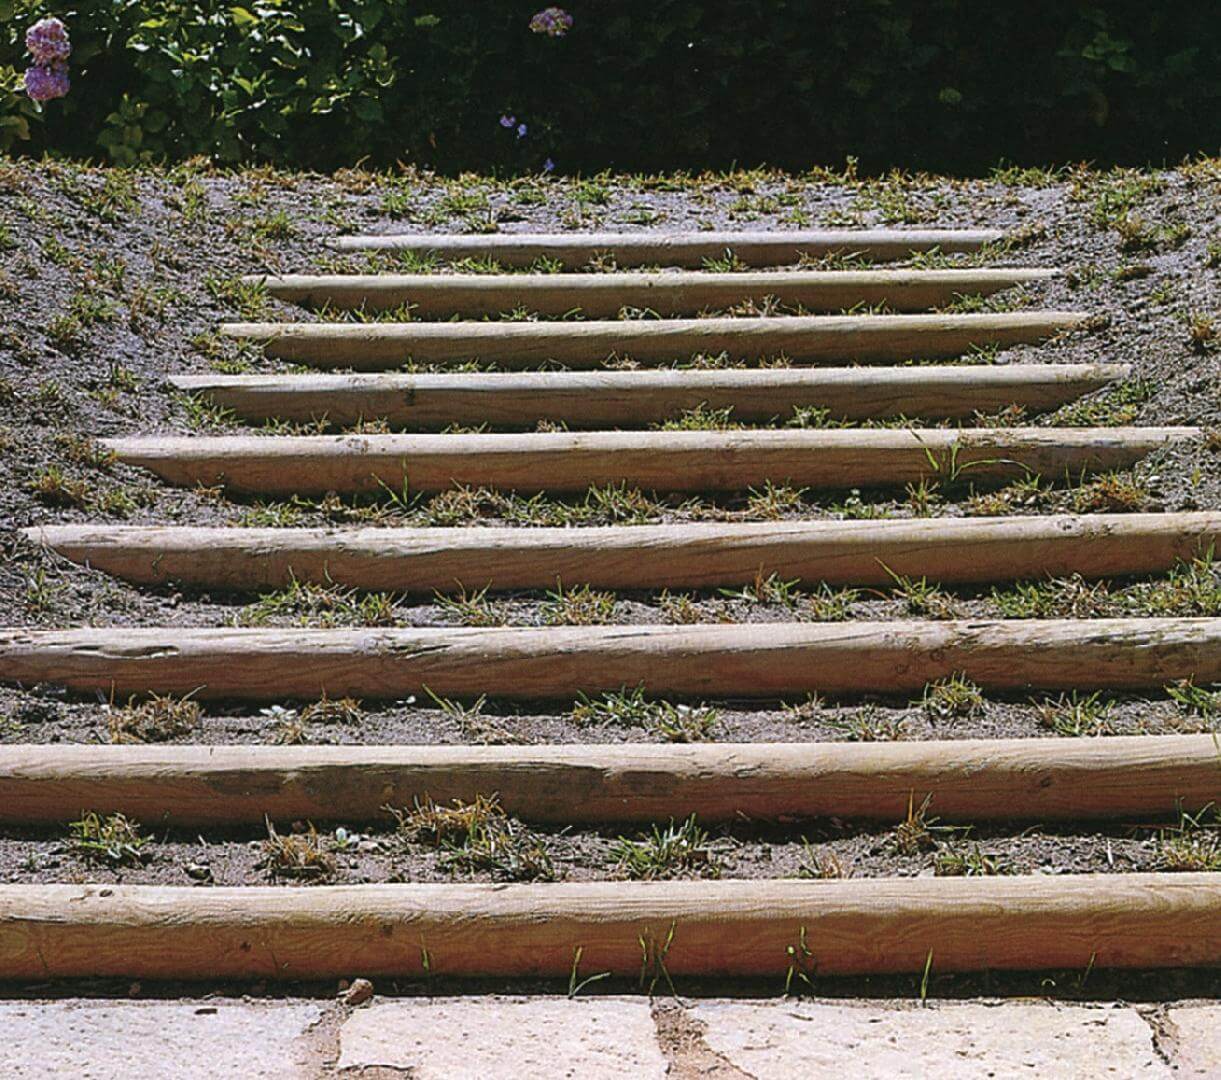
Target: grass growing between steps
x=476, y=840
x=1189, y=589
x=1128, y=491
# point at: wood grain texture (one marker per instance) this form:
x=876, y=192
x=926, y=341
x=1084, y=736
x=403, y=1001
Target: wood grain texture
x=716, y=661
x=651, y=460
x=709, y=928
x=630, y=399
x=699, y=555
x=808, y=338
x=967, y=780
x=602, y=296
x=755, y=248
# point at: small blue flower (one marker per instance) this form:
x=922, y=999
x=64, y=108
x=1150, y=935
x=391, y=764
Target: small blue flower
x=47, y=41
x=507, y=121
x=548, y=166
x=521, y=131
x=552, y=21
x=45, y=82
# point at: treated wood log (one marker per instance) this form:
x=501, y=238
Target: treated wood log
x=967, y=780
x=637, y=398
x=424, y=560
x=736, y=661
x=653, y=460
x=755, y=248
x=812, y=338
x=599, y=296
x=708, y=928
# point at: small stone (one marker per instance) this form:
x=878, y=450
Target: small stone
x=198, y=872
x=358, y=993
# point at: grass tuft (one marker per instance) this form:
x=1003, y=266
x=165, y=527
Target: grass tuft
x=300, y=856
x=477, y=836
x=678, y=850
x=157, y=719
x=1076, y=715
x=953, y=698
x=113, y=839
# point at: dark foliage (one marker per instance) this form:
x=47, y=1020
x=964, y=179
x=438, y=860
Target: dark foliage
x=668, y=84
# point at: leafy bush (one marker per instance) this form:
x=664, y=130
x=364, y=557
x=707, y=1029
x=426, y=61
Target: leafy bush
x=943, y=84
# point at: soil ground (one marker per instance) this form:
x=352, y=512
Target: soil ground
x=110, y=281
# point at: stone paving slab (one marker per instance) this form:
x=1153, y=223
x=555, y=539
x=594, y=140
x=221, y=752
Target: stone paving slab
x=485, y=1038
x=127, y=1040
x=495, y=1037
x=1196, y=1031
x=777, y=1041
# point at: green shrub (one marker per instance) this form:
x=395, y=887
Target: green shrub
x=942, y=84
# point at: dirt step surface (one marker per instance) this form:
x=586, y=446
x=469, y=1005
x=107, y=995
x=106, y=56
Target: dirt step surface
x=113, y=281
x=443, y=1038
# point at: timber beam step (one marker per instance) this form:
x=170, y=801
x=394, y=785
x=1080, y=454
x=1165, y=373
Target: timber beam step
x=967, y=780
x=693, y=928
x=600, y=296
x=699, y=555
x=755, y=248
x=635, y=398
x=655, y=460
x=761, y=661
x=811, y=338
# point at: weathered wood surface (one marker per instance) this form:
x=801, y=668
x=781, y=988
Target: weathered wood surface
x=599, y=296
x=604, y=399
x=715, y=661
x=700, y=555
x=709, y=928
x=810, y=338
x=755, y=248
x=650, y=460
x=967, y=780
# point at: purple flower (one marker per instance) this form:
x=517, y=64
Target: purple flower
x=507, y=121
x=549, y=166
x=521, y=131
x=47, y=42
x=44, y=82
x=552, y=21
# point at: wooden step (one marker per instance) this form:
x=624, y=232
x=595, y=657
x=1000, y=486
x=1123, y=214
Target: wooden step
x=759, y=660
x=687, y=928
x=637, y=398
x=603, y=296
x=967, y=780
x=654, y=460
x=701, y=555
x=809, y=338
x=755, y=248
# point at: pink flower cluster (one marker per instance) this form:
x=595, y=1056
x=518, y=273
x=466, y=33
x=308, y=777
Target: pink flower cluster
x=552, y=21
x=47, y=42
